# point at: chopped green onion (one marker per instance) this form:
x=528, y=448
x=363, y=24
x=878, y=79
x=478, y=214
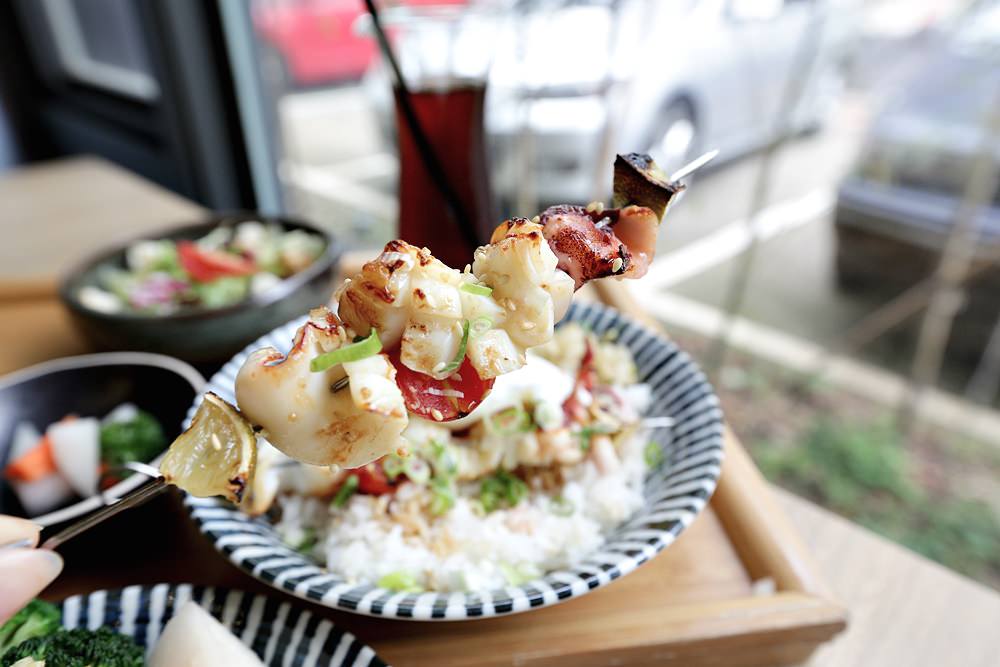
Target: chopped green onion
x=442, y=495
x=308, y=541
x=394, y=465
x=363, y=349
x=400, y=581
x=476, y=506
x=417, y=470
x=510, y=421
x=502, y=490
x=346, y=490
x=561, y=506
x=653, y=454
x=443, y=459
x=519, y=574
x=479, y=326
x=547, y=415
x=477, y=289
x=587, y=433
x=453, y=365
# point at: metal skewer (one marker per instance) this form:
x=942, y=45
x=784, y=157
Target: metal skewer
x=694, y=165
x=134, y=498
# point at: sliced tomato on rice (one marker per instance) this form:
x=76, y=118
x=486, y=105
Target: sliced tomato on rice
x=441, y=400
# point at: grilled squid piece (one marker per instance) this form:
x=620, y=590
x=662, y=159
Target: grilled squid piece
x=418, y=303
x=594, y=242
x=303, y=418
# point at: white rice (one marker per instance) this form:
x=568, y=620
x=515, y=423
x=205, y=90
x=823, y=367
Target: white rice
x=362, y=545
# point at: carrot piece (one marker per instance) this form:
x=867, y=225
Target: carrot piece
x=34, y=464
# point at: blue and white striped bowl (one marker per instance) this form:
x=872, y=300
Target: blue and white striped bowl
x=278, y=632
x=674, y=495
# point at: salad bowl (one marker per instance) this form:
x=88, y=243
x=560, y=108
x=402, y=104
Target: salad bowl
x=200, y=334
x=674, y=491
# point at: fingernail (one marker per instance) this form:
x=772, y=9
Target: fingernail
x=13, y=529
x=24, y=573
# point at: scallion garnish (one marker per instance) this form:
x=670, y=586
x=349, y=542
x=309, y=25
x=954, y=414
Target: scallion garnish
x=394, y=465
x=354, y=352
x=510, y=421
x=477, y=289
x=479, y=326
x=520, y=574
x=416, y=470
x=400, y=581
x=346, y=490
x=453, y=365
x=502, y=490
x=442, y=495
x=561, y=506
x=308, y=542
x=653, y=454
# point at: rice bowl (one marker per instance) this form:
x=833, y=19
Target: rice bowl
x=555, y=543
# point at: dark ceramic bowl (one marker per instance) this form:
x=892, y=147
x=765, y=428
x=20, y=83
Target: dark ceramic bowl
x=91, y=386
x=203, y=335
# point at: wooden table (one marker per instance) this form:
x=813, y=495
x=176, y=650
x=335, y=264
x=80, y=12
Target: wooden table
x=904, y=609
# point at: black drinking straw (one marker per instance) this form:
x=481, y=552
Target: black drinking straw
x=427, y=154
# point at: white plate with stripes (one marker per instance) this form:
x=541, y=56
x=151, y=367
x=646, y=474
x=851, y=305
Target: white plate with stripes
x=278, y=632
x=675, y=493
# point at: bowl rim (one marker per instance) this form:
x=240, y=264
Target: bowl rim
x=273, y=562
x=69, y=284
x=150, y=359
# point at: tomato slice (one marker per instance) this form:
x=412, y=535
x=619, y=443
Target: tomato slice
x=372, y=479
x=441, y=400
x=207, y=265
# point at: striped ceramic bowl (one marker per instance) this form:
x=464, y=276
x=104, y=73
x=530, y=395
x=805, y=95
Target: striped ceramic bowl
x=674, y=494
x=278, y=632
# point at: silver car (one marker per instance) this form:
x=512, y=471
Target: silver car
x=670, y=78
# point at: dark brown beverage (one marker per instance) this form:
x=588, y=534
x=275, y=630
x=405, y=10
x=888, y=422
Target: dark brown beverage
x=452, y=119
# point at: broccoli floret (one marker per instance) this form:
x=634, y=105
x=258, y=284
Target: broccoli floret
x=78, y=648
x=37, y=619
x=138, y=439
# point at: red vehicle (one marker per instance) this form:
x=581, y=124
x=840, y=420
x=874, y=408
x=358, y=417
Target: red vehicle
x=311, y=42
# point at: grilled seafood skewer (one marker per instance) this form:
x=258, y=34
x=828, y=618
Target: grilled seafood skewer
x=414, y=335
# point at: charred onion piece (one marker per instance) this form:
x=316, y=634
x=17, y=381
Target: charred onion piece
x=638, y=180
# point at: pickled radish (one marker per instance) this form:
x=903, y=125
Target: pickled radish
x=76, y=447
x=44, y=494
x=195, y=637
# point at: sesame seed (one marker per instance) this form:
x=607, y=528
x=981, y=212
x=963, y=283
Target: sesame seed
x=216, y=443
x=468, y=268
x=511, y=306
x=537, y=219
x=527, y=325
x=293, y=416
x=595, y=207
x=437, y=414
x=439, y=366
x=616, y=264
